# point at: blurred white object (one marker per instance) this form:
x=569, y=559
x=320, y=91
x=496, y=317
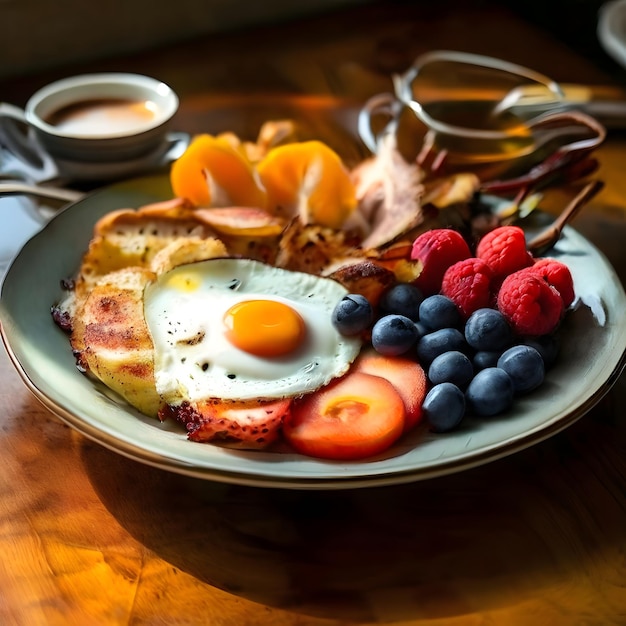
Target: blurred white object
x=611, y=29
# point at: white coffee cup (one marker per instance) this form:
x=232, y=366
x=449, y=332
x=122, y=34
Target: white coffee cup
x=93, y=118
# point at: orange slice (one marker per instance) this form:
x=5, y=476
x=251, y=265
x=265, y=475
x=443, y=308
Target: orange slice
x=308, y=179
x=215, y=172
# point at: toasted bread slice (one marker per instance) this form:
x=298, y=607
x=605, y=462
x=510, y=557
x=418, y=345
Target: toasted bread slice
x=132, y=238
x=187, y=250
x=161, y=236
x=111, y=339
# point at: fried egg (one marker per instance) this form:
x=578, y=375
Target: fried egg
x=241, y=329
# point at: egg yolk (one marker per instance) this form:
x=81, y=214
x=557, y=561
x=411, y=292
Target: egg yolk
x=264, y=328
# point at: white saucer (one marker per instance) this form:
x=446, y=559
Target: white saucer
x=63, y=172
x=73, y=171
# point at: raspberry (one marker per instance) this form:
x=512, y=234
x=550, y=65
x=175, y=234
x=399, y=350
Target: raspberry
x=437, y=250
x=504, y=251
x=558, y=275
x=468, y=284
x=530, y=304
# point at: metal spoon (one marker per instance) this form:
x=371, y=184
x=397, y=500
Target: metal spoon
x=13, y=188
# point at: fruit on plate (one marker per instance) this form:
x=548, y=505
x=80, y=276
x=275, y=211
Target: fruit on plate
x=468, y=284
x=436, y=250
x=504, y=251
x=393, y=335
x=214, y=172
x=524, y=365
x=487, y=330
x=353, y=314
x=486, y=338
x=557, y=274
x=530, y=304
x=356, y=417
x=309, y=180
x=453, y=367
x=404, y=373
x=490, y=392
x=444, y=407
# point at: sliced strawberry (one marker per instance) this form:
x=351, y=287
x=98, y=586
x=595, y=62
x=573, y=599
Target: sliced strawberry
x=248, y=425
x=407, y=376
x=355, y=417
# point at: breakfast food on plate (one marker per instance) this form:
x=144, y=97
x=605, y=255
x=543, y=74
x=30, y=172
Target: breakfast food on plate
x=111, y=340
x=468, y=284
x=436, y=250
x=215, y=172
x=404, y=373
x=238, y=329
x=282, y=295
x=307, y=179
x=530, y=304
x=354, y=418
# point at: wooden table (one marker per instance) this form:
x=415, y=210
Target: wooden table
x=88, y=537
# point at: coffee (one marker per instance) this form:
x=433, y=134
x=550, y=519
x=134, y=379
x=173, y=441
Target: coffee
x=106, y=118
x=103, y=116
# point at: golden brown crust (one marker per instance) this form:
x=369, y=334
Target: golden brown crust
x=112, y=341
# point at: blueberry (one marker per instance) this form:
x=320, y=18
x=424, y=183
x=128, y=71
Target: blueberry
x=393, y=335
x=438, y=312
x=487, y=329
x=490, y=392
x=402, y=299
x=439, y=341
x=421, y=330
x=524, y=366
x=352, y=315
x=453, y=367
x=444, y=407
x=485, y=358
x=547, y=346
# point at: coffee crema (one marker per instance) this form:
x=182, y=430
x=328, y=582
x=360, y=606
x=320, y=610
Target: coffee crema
x=103, y=116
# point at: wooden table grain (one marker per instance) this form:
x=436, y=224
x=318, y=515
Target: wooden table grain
x=88, y=537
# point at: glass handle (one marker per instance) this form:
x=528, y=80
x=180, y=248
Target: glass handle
x=382, y=105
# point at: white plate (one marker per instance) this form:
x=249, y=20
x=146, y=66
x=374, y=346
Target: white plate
x=592, y=357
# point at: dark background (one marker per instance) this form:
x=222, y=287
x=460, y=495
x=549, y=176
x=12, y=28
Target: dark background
x=39, y=36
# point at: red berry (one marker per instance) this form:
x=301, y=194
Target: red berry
x=504, y=250
x=530, y=304
x=437, y=250
x=468, y=284
x=558, y=275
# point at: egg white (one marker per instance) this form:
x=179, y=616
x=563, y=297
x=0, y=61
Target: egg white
x=184, y=310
